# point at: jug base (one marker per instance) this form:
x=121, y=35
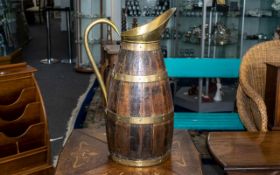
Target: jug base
x=141, y=163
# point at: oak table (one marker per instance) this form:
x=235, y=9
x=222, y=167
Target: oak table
x=86, y=153
x=246, y=152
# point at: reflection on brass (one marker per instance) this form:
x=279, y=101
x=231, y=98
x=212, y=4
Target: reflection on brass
x=150, y=32
x=139, y=120
x=140, y=79
x=142, y=163
x=140, y=47
x=91, y=58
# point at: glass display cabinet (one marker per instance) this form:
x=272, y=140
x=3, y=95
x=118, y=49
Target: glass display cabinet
x=220, y=30
x=8, y=40
x=207, y=29
x=230, y=26
x=261, y=22
x=14, y=31
x=86, y=11
x=218, y=24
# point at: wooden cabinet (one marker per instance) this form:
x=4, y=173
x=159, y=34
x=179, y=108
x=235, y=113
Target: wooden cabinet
x=24, y=139
x=272, y=95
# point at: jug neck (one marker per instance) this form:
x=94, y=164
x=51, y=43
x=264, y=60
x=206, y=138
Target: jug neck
x=135, y=46
x=150, y=32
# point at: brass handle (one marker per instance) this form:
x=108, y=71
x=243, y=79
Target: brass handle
x=91, y=59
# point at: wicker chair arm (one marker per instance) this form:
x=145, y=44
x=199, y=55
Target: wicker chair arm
x=257, y=99
x=245, y=113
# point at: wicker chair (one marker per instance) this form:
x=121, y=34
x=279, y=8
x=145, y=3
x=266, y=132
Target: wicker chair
x=252, y=80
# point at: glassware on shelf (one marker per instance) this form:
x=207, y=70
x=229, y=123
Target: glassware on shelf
x=164, y=51
x=259, y=13
x=166, y=34
x=188, y=53
x=276, y=5
x=194, y=35
x=134, y=8
x=259, y=36
x=176, y=34
x=221, y=34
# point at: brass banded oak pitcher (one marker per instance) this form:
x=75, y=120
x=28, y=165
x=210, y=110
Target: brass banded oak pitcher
x=139, y=112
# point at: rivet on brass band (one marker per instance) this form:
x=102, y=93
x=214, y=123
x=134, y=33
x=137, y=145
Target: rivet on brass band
x=140, y=120
x=140, y=47
x=140, y=79
x=142, y=163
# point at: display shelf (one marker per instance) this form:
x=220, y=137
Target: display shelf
x=262, y=20
x=85, y=12
x=221, y=30
x=87, y=16
x=191, y=102
x=260, y=23
x=212, y=43
x=263, y=17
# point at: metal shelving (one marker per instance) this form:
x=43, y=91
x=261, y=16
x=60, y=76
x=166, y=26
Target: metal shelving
x=86, y=11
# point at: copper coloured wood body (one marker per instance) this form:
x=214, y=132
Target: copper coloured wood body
x=140, y=111
x=139, y=120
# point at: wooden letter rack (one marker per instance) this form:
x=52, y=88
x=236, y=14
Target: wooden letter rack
x=24, y=139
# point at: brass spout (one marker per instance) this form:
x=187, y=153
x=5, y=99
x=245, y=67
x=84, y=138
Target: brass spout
x=150, y=32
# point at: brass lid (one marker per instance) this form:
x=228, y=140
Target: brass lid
x=150, y=32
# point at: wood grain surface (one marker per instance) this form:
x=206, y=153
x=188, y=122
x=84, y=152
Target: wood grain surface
x=24, y=137
x=86, y=153
x=246, y=152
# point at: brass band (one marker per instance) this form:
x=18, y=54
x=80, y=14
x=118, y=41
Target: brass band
x=140, y=79
x=142, y=163
x=139, y=120
x=140, y=47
